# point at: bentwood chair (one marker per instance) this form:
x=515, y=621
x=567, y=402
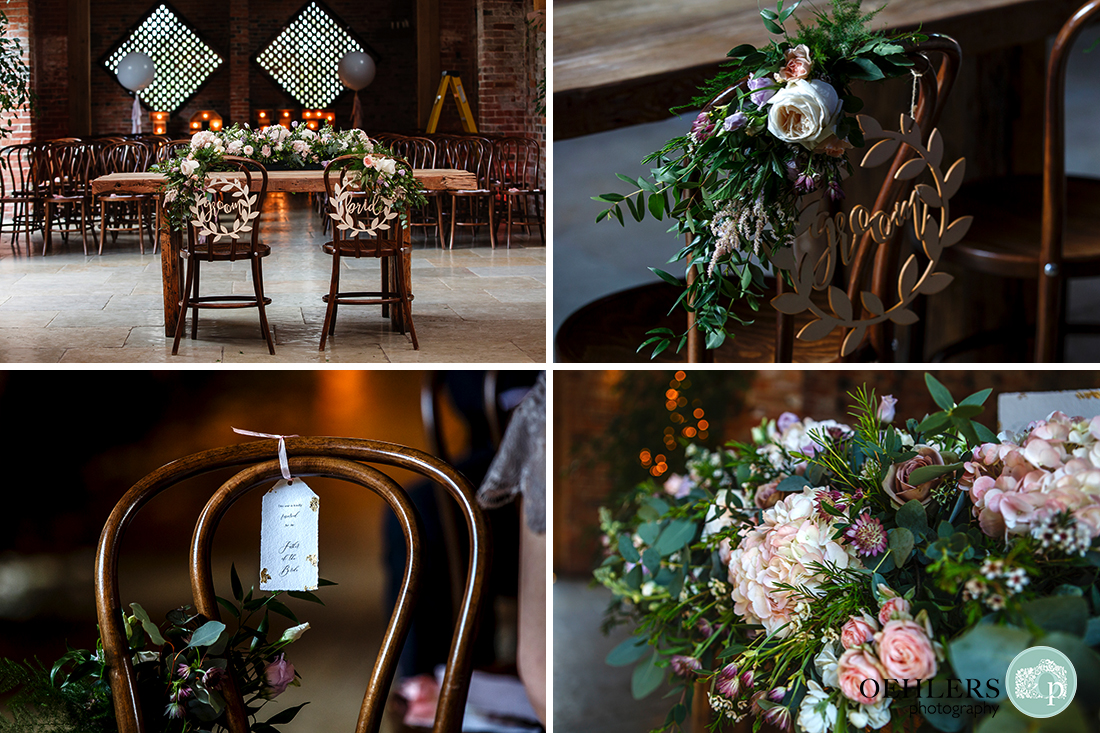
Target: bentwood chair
x=68, y=165
x=125, y=212
x=355, y=211
x=255, y=464
x=421, y=152
x=473, y=154
x=235, y=215
x=1031, y=228
x=611, y=328
x=516, y=183
x=17, y=193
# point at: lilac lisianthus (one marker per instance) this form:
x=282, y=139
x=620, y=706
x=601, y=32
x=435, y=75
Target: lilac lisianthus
x=279, y=674
x=763, y=90
x=735, y=121
x=886, y=409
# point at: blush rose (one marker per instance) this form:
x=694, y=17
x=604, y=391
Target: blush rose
x=905, y=651
x=859, y=677
x=897, y=485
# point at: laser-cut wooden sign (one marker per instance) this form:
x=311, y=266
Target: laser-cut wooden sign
x=842, y=233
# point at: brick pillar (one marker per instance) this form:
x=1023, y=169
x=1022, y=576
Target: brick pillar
x=19, y=27
x=240, y=102
x=502, y=64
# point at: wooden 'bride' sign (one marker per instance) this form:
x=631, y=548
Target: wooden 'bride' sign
x=355, y=212
x=843, y=232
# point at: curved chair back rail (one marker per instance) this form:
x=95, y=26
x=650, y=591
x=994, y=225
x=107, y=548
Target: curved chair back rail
x=456, y=681
x=202, y=581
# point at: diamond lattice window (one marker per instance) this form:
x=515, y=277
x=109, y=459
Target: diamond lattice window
x=183, y=61
x=303, y=57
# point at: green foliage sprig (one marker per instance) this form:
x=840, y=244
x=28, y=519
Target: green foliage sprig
x=732, y=185
x=15, y=78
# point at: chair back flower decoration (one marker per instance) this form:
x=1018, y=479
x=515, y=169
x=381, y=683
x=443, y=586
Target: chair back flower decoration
x=829, y=577
x=274, y=146
x=767, y=157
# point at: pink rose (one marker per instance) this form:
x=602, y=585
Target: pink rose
x=905, y=651
x=896, y=608
x=798, y=64
x=279, y=674
x=768, y=495
x=859, y=677
x=896, y=484
x=858, y=630
x=833, y=147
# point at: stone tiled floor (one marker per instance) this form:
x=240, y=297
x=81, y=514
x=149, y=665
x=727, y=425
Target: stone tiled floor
x=473, y=303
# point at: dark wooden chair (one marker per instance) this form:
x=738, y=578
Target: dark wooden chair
x=473, y=154
x=245, y=245
x=421, y=152
x=515, y=183
x=354, y=212
x=1043, y=229
x=126, y=212
x=341, y=458
x=18, y=193
x=611, y=328
x=68, y=165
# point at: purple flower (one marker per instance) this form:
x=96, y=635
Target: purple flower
x=702, y=128
x=213, y=678
x=836, y=193
x=786, y=420
x=886, y=411
x=181, y=694
x=279, y=674
x=804, y=183
x=867, y=535
x=728, y=681
x=735, y=121
x=174, y=710
x=684, y=666
x=183, y=671
x=763, y=90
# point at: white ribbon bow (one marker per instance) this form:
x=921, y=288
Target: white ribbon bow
x=284, y=465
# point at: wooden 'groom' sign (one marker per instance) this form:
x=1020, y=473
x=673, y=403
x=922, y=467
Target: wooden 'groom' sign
x=235, y=204
x=843, y=232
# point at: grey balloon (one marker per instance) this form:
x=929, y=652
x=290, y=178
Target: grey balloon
x=356, y=70
x=135, y=71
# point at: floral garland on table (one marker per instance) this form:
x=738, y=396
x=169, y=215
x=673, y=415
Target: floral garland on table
x=297, y=147
x=180, y=669
x=832, y=577
x=734, y=182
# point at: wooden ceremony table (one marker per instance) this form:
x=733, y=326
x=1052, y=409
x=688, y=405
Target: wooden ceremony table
x=301, y=181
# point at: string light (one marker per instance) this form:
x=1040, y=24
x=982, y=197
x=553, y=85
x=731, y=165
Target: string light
x=303, y=58
x=182, y=60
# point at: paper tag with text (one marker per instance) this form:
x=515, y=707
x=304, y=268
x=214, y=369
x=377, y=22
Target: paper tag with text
x=288, y=537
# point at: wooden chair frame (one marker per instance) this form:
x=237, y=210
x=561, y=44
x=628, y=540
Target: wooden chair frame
x=315, y=456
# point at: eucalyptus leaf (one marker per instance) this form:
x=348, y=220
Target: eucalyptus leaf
x=646, y=678
x=901, y=544
x=674, y=536
x=206, y=634
x=940, y=394
x=628, y=652
x=147, y=624
x=925, y=474
x=912, y=516
x=984, y=652
x=1069, y=614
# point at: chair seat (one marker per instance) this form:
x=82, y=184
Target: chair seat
x=1005, y=237
x=385, y=248
x=611, y=328
x=222, y=251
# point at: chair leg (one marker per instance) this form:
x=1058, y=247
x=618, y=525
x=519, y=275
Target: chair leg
x=385, y=285
x=47, y=237
x=330, y=312
x=140, y=226
x=102, y=225
x=84, y=226
x=189, y=277
x=439, y=217
x=195, y=297
x=258, y=287
x=405, y=307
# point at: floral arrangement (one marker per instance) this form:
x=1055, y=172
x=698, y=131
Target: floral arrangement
x=180, y=669
x=734, y=182
x=837, y=577
x=278, y=146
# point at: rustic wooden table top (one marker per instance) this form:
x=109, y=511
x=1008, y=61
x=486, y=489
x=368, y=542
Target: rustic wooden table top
x=620, y=62
x=435, y=179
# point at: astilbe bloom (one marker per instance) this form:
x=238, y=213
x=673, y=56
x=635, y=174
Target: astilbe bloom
x=780, y=550
x=867, y=535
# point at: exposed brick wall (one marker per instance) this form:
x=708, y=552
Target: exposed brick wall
x=19, y=27
x=503, y=62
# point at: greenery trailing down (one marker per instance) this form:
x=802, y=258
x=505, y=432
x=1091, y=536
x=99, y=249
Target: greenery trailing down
x=779, y=574
x=180, y=668
x=15, y=79
x=733, y=183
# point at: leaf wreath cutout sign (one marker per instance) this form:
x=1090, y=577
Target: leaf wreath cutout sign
x=354, y=212
x=843, y=232
x=234, y=199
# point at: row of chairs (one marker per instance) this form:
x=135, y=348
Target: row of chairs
x=508, y=189
x=45, y=187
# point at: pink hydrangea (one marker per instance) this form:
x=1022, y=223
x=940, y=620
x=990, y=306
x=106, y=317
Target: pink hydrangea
x=790, y=538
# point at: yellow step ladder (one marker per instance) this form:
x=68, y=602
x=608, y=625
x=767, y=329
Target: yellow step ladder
x=455, y=83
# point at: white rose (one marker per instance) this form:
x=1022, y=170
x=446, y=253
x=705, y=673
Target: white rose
x=249, y=150
x=386, y=165
x=804, y=112
x=188, y=166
